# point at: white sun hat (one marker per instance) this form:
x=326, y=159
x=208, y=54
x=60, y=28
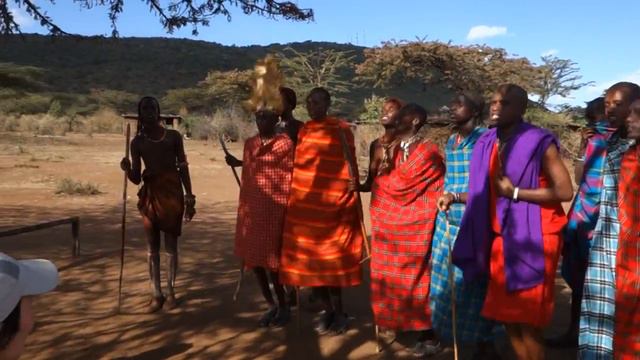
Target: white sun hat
x=20, y=278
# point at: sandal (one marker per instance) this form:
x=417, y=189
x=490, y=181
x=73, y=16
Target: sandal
x=266, y=318
x=282, y=318
x=155, y=304
x=340, y=324
x=326, y=321
x=426, y=348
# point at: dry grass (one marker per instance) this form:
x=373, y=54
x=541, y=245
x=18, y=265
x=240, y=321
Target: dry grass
x=68, y=186
x=233, y=123
x=26, y=166
x=103, y=121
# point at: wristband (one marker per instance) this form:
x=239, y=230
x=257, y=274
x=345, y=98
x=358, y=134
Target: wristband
x=515, y=194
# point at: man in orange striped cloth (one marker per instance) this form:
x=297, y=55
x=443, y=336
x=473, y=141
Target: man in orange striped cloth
x=322, y=241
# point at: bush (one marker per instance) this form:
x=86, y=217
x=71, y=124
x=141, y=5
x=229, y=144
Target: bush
x=55, y=109
x=231, y=122
x=35, y=124
x=67, y=186
x=558, y=124
x=103, y=121
x=372, y=110
x=29, y=104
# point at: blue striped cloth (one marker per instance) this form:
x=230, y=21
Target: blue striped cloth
x=598, y=301
x=470, y=326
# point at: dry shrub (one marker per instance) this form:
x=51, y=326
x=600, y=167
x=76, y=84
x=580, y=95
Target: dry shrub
x=557, y=123
x=233, y=123
x=105, y=121
x=42, y=124
x=68, y=186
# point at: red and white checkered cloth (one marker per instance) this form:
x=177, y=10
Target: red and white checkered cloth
x=266, y=183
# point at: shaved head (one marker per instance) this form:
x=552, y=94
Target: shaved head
x=631, y=89
x=516, y=93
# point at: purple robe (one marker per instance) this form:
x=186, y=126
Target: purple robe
x=520, y=221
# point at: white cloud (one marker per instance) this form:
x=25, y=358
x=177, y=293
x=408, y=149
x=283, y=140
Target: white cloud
x=483, y=32
x=21, y=17
x=550, y=52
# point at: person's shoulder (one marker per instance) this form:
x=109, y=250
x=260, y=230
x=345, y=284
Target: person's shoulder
x=137, y=140
x=173, y=133
x=283, y=140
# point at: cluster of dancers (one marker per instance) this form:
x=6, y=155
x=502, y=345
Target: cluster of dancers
x=475, y=235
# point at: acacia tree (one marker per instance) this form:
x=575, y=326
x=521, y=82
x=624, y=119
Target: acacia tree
x=227, y=87
x=172, y=15
x=318, y=68
x=477, y=68
x=558, y=77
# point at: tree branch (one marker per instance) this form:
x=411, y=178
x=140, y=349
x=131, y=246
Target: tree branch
x=177, y=14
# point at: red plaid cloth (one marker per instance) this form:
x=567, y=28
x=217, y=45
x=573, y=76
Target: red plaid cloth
x=403, y=213
x=266, y=183
x=627, y=316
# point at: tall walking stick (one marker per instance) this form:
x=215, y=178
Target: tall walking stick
x=124, y=217
x=453, y=292
x=226, y=152
x=354, y=175
x=235, y=174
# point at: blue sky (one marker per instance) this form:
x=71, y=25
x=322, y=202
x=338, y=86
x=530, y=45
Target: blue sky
x=596, y=34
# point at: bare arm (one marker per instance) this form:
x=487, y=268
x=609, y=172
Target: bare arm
x=135, y=171
x=578, y=171
x=373, y=169
x=183, y=165
x=446, y=200
x=560, y=188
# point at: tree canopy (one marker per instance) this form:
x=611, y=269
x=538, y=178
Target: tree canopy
x=172, y=15
x=477, y=68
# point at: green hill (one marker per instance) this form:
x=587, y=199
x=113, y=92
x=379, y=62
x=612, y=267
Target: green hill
x=152, y=66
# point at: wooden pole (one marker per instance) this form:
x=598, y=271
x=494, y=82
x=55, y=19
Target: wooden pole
x=354, y=176
x=124, y=216
x=235, y=175
x=453, y=292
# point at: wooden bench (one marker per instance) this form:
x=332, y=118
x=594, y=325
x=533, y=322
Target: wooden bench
x=75, y=231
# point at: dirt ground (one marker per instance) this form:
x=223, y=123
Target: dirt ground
x=78, y=320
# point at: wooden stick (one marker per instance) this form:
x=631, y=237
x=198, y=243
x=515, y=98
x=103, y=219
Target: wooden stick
x=124, y=217
x=299, y=315
x=377, y=330
x=453, y=293
x=235, y=175
x=226, y=152
x=354, y=176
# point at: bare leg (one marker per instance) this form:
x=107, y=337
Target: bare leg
x=284, y=313
x=279, y=289
x=171, y=249
x=532, y=339
x=336, y=299
x=514, y=332
x=263, y=282
x=153, y=253
x=328, y=316
x=341, y=321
